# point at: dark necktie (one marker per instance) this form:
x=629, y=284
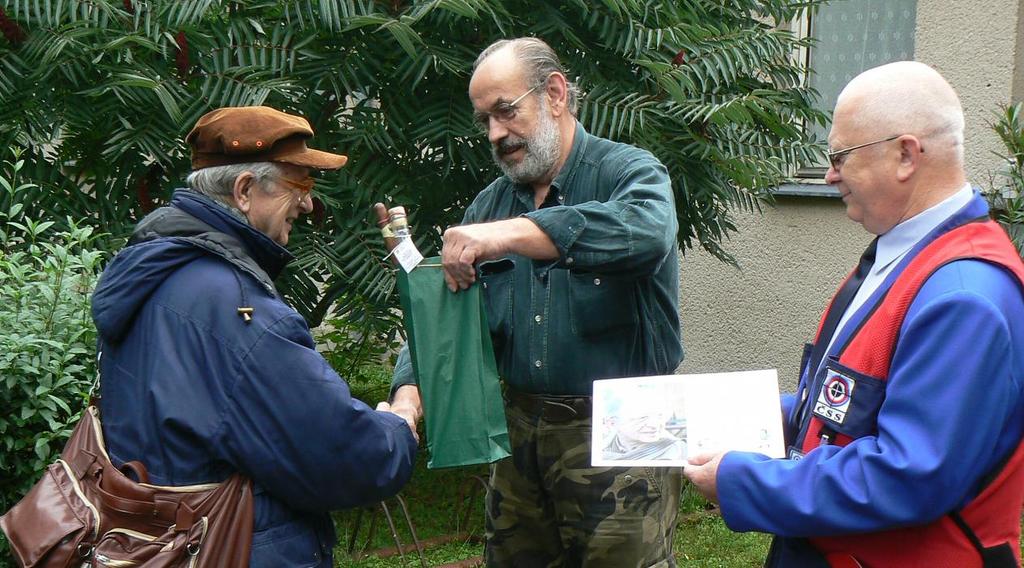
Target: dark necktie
x=838, y=308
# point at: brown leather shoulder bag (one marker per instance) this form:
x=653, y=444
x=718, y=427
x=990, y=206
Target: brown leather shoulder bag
x=86, y=512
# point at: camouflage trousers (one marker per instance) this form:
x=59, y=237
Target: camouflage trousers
x=548, y=508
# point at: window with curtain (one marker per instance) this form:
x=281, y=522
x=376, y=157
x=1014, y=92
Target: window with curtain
x=851, y=36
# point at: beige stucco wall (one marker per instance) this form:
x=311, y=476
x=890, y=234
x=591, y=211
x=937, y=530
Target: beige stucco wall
x=791, y=258
x=974, y=44
x=1018, y=59
x=794, y=255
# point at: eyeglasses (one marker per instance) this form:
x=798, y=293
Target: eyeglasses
x=837, y=157
x=304, y=186
x=502, y=112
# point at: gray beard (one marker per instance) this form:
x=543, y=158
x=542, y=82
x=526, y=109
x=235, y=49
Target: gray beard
x=541, y=151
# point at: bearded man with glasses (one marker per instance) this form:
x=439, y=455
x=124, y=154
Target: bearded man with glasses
x=906, y=429
x=576, y=248
x=208, y=372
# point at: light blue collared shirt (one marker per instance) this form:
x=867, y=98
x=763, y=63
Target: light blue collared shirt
x=895, y=244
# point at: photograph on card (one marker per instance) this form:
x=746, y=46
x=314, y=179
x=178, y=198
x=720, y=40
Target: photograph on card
x=663, y=420
x=639, y=423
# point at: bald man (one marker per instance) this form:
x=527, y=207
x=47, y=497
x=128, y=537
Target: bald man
x=905, y=432
x=576, y=248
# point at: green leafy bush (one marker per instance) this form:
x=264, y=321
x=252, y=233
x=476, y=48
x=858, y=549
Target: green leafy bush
x=1007, y=192
x=100, y=93
x=47, y=353
x=362, y=350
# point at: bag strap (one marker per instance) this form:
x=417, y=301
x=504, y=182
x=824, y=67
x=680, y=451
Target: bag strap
x=135, y=468
x=94, y=390
x=999, y=556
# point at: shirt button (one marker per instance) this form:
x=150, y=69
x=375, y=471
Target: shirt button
x=597, y=281
x=538, y=364
x=485, y=285
x=537, y=319
x=569, y=260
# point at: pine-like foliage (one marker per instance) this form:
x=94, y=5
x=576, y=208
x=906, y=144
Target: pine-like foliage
x=1006, y=192
x=99, y=94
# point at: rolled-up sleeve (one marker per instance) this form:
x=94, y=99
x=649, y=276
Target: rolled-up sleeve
x=631, y=233
x=403, y=374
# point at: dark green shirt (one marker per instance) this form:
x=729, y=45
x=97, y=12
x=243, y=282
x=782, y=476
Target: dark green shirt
x=609, y=305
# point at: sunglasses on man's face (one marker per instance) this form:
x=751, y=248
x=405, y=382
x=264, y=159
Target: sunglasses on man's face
x=304, y=186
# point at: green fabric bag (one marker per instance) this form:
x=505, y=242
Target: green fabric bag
x=453, y=360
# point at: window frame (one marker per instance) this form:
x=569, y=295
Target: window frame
x=809, y=180
x=808, y=174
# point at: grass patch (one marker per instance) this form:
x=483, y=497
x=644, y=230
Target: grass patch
x=441, y=503
x=702, y=539
x=435, y=556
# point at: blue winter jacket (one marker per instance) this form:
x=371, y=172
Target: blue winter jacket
x=196, y=392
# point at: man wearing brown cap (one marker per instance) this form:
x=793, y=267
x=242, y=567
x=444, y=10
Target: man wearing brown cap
x=207, y=371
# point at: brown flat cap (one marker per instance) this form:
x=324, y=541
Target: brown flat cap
x=236, y=135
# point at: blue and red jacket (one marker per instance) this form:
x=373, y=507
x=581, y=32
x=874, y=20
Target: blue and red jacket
x=919, y=403
x=986, y=532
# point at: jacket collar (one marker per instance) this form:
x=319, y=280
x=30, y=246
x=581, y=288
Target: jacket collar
x=271, y=256
x=580, y=141
x=218, y=229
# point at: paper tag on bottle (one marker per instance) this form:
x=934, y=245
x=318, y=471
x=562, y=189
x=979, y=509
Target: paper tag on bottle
x=407, y=255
